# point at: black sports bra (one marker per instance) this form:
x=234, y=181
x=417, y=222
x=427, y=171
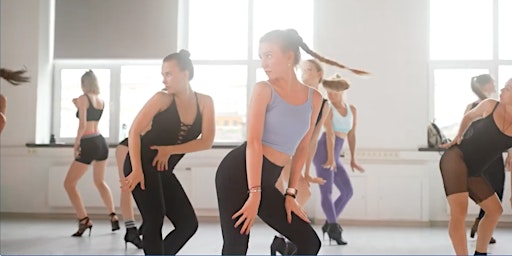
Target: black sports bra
x=93, y=114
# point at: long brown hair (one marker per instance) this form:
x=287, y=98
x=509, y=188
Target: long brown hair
x=477, y=82
x=291, y=41
x=14, y=77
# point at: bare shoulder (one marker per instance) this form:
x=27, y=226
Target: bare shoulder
x=353, y=108
x=204, y=100
x=487, y=104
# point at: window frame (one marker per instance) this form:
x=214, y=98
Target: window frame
x=492, y=65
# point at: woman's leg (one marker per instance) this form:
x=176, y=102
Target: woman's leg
x=328, y=175
x=341, y=180
x=493, y=209
x=75, y=172
x=151, y=206
x=126, y=196
x=231, y=187
x=101, y=185
x=180, y=212
x=456, y=228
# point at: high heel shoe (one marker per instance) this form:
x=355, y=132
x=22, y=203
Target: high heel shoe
x=83, y=225
x=283, y=247
x=334, y=231
x=324, y=229
x=132, y=236
x=114, y=221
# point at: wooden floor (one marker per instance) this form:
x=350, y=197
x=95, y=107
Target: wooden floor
x=52, y=236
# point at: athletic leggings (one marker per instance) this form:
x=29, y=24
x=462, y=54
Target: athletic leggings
x=495, y=174
x=231, y=184
x=337, y=177
x=163, y=196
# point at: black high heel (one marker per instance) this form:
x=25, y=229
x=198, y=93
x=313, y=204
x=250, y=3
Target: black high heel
x=132, y=236
x=334, y=231
x=114, y=222
x=324, y=229
x=283, y=247
x=83, y=225
x=140, y=229
x=474, y=228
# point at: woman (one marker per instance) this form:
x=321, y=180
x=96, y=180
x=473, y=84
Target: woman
x=281, y=116
x=340, y=126
x=483, y=87
x=177, y=117
x=89, y=148
x=464, y=163
x=312, y=76
x=14, y=77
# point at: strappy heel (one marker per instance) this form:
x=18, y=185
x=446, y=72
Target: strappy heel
x=83, y=225
x=114, y=221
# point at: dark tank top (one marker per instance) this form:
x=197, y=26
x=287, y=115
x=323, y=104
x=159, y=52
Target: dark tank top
x=93, y=114
x=484, y=143
x=168, y=129
x=319, y=117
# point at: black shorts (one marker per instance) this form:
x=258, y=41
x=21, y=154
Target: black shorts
x=92, y=148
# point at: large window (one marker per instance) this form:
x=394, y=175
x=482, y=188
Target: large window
x=467, y=38
x=224, y=50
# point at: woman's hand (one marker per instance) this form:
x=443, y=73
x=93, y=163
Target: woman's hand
x=316, y=180
x=291, y=205
x=248, y=212
x=76, y=151
x=356, y=166
x=455, y=140
x=75, y=102
x=162, y=157
x=330, y=164
x=129, y=182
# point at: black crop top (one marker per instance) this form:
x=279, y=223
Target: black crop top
x=93, y=114
x=168, y=129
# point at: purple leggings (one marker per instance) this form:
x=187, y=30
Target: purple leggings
x=338, y=177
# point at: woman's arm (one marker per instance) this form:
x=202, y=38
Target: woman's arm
x=158, y=102
x=352, y=141
x=3, y=118
x=329, y=143
x=82, y=104
x=299, y=158
x=313, y=143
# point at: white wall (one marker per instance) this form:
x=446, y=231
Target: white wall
x=387, y=38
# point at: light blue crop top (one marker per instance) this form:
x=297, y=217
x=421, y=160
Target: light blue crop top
x=342, y=123
x=286, y=124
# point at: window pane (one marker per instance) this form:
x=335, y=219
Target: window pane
x=504, y=74
x=214, y=36
x=271, y=14
x=138, y=84
x=505, y=29
x=227, y=85
x=461, y=29
x=452, y=95
x=71, y=88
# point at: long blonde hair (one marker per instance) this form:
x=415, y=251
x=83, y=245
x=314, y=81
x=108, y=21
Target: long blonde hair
x=90, y=83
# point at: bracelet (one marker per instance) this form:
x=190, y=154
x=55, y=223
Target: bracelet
x=254, y=189
x=290, y=194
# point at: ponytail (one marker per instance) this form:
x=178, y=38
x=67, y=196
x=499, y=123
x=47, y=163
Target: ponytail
x=14, y=77
x=477, y=82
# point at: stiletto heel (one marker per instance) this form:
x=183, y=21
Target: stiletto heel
x=324, y=229
x=83, y=225
x=114, y=221
x=132, y=236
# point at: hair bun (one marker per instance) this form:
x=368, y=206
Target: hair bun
x=295, y=35
x=184, y=53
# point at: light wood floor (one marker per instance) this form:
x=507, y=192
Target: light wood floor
x=52, y=236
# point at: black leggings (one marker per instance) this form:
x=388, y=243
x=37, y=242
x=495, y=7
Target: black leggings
x=456, y=178
x=231, y=184
x=495, y=174
x=163, y=196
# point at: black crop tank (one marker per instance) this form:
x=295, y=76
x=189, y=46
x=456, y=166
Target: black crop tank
x=484, y=143
x=168, y=129
x=93, y=114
